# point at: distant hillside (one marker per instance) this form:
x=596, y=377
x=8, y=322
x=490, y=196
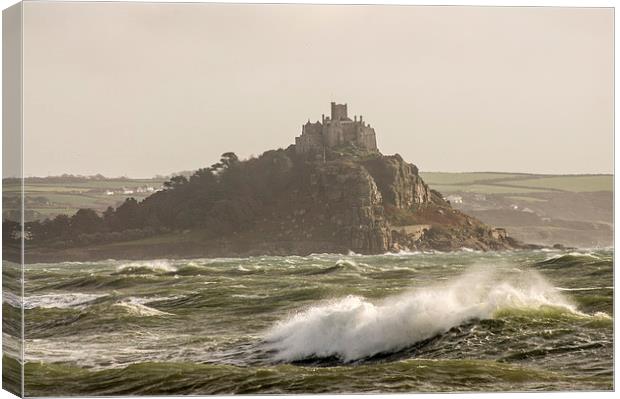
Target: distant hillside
x=51, y=196
x=492, y=182
x=575, y=210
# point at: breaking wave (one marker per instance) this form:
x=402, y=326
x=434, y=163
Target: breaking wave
x=137, y=307
x=60, y=301
x=354, y=328
x=156, y=266
x=575, y=259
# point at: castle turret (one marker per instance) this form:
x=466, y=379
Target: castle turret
x=339, y=112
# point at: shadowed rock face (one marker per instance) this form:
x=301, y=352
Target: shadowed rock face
x=360, y=200
x=398, y=181
x=354, y=205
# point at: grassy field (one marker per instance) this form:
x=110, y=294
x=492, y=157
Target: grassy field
x=441, y=178
x=49, y=198
x=517, y=183
x=570, y=183
x=526, y=199
x=481, y=188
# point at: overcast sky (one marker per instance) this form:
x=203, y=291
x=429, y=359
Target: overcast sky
x=140, y=89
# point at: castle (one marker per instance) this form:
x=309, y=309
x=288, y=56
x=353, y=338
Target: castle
x=334, y=131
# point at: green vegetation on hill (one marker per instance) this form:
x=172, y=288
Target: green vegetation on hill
x=483, y=189
x=506, y=183
x=438, y=178
x=570, y=183
x=224, y=197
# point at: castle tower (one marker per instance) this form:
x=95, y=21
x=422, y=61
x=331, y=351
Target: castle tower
x=335, y=131
x=339, y=112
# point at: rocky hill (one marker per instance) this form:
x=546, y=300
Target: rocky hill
x=374, y=203
x=280, y=203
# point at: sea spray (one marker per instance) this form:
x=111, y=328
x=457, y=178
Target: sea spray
x=353, y=327
x=146, y=267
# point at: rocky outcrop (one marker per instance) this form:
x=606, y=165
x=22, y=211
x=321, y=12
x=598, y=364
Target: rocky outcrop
x=377, y=204
x=353, y=205
x=398, y=181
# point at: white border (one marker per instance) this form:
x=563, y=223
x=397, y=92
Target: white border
x=521, y=3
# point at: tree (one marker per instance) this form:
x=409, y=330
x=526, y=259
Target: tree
x=201, y=176
x=229, y=159
x=58, y=228
x=128, y=215
x=86, y=221
x=109, y=217
x=10, y=230
x=176, y=182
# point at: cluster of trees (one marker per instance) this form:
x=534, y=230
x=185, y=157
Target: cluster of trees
x=223, y=197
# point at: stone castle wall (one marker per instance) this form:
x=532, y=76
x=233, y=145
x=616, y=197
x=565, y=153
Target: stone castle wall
x=337, y=131
x=367, y=138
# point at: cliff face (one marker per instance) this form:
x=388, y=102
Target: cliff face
x=353, y=205
x=379, y=204
x=398, y=181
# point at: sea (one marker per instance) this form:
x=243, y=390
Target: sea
x=326, y=323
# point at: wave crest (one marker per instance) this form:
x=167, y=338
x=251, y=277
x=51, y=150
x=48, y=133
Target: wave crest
x=578, y=259
x=353, y=327
x=156, y=266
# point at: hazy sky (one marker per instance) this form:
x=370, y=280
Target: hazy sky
x=143, y=89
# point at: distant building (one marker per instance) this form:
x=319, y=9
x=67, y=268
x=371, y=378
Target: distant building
x=454, y=199
x=334, y=131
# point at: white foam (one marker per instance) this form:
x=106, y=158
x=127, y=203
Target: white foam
x=575, y=254
x=136, y=306
x=155, y=265
x=353, y=327
x=584, y=288
x=350, y=264
x=60, y=301
x=403, y=252
x=11, y=299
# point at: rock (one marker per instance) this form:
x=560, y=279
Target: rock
x=498, y=233
x=398, y=181
x=355, y=205
x=353, y=196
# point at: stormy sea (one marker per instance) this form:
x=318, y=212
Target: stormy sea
x=324, y=323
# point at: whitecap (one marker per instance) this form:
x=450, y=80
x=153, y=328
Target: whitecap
x=354, y=327
x=60, y=301
x=583, y=288
x=161, y=266
x=137, y=306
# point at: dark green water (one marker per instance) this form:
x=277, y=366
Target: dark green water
x=518, y=321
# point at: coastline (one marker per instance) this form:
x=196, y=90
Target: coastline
x=139, y=250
